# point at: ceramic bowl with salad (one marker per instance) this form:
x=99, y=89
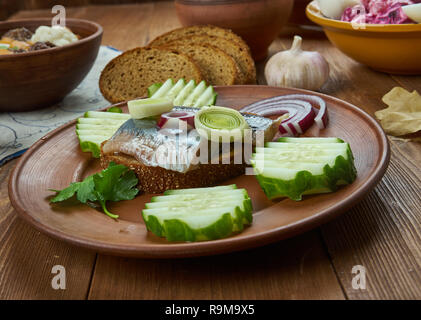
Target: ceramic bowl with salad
x=382, y=34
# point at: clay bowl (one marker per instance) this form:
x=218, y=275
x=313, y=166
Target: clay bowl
x=258, y=22
x=41, y=78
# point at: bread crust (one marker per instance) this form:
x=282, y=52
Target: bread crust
x=216, y=66
x=209, y=30
x=137, y=76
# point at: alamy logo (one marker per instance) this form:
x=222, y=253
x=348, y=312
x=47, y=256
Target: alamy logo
x=359, y=280
x=60, y=18
x=59, y=280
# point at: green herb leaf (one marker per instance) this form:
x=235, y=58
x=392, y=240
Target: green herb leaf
x=86, y=190
x=66, y=193
x=115, y=183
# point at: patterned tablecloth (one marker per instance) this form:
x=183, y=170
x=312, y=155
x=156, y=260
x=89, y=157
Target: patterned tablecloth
x=19, y=130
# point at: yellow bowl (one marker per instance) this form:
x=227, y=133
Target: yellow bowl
x=392, y=48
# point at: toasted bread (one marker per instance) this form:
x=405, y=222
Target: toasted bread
x=129, y=75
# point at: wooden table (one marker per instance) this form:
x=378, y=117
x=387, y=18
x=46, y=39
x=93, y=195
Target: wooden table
x=382, y=233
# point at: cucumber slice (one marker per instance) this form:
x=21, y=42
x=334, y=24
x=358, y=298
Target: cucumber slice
x=96, y=127
x=183, y=94
x=92, y=143
x=92, y=132
x=175, y=90
x=110, y=122
x=306, y=146
x=207, y=98
x=262, y=166
x=200, y=190
x=163, y=90
x=312, y=156
x=84, y=126
x=197, y=214
x=178, y=101
x=198, y=204
x=196, y=93
x=107, y=115
x=153, y=88
x=296, y=167
x=310, y=140
x=222, y=195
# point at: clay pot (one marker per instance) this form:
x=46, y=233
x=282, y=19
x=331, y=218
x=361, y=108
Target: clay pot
x=258, y=22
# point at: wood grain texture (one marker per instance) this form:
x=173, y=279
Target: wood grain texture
x=27, y=257
x=382, y=233
x=293, y=269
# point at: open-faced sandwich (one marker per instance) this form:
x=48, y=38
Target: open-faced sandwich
x=179, y=144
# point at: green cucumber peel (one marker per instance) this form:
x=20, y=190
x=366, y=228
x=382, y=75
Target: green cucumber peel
x=342, y=172
x=198, y=214
x=94, y=148
x=179, y=229
x=163, y=90
x=153, y=88
x=115, y=110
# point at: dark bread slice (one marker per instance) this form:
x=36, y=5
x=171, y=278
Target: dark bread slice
x=129, y=75
x=211, y=31
x=229, y=47
x=217, y=67
x=157, y=179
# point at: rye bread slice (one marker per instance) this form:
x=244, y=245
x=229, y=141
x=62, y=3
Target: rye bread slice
x=158, y=180
x=241, y=58
x=129, y=75
x=217, y=67
x=208, y=30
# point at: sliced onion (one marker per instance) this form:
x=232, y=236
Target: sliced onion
x=220, y=124
x=301, y=108
x=171, y=120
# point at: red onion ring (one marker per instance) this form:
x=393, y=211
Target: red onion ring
x=301, y=108
x=186, y=116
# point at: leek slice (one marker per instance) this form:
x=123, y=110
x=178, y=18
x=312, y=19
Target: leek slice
x=220, y=124
x=143, y=108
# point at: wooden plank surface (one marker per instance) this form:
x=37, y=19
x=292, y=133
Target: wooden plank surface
x=293, y=269
x=382, y=233
x=27, y=257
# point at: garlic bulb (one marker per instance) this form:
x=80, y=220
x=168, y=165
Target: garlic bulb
x=297, y=68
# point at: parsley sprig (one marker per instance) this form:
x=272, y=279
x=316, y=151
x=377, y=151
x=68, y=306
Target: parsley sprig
x=115, y=183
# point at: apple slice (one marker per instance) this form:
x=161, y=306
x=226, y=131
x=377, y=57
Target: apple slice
x=335, y=8
x=413, y=11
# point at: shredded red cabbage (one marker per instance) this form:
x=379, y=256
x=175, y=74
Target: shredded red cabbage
x=378, y=12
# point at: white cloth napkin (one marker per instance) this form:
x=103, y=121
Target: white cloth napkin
x=19, y=130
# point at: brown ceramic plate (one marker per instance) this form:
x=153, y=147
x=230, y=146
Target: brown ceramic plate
x=56, y=160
